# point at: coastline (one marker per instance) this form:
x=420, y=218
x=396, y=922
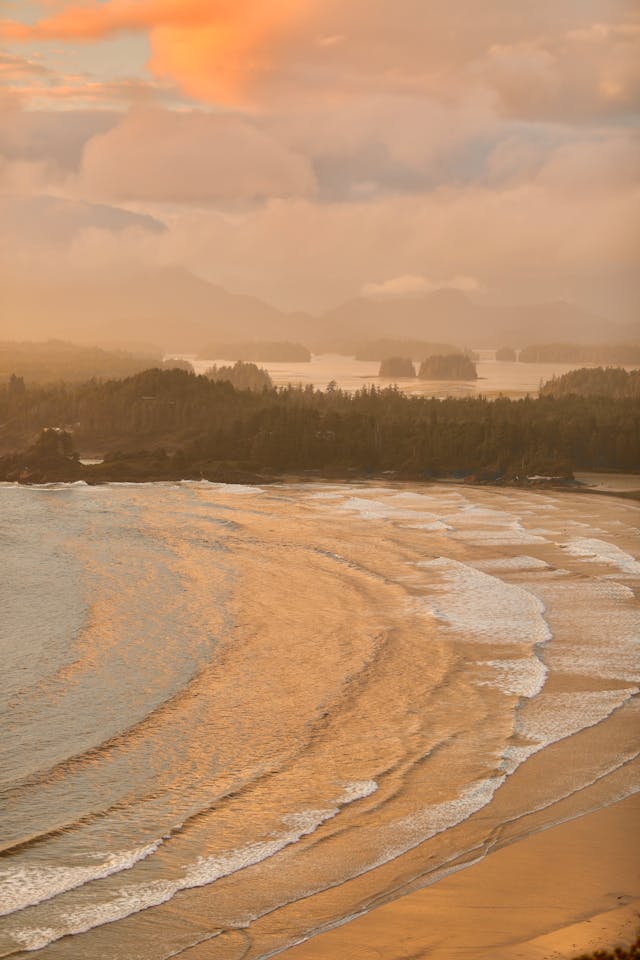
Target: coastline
x=566, y=890
x=626, y=490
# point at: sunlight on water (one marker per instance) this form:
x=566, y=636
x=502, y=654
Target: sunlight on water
x=261, y=708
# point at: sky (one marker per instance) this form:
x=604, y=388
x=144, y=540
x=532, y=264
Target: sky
x=310, y=151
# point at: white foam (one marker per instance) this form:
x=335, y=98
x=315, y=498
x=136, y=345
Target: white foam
x=437, y=817
x=554, y=717
x=233, y=488
x=598, y=621
x=384, y=510
x=358, y=790
x=204, y=871
x=25, y=886
x=499, y=537
x=601, y=551
x=511, y=563
x=435, y=525
x=607, y=662
x=522, y=678
x=484, y=608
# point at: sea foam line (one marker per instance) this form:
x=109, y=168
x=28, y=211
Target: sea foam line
x=600, y=551
x=28, y=886
x=204, y=871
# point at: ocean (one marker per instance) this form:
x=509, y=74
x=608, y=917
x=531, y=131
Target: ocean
x=236, y=716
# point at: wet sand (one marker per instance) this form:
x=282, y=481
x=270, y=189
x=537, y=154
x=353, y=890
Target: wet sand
x=570, y=889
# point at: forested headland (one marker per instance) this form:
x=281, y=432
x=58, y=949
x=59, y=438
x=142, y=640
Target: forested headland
x=242, y=376
x=176, y=425
x=616, y=353
x=611, y=382
x=51, y=360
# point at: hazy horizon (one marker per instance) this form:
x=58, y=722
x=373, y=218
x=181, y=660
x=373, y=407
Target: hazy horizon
x=310, y=153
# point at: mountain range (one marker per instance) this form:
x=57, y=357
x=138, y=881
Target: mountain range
x=179, y=312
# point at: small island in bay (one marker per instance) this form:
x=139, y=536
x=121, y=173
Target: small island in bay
x=400, y=367
x=453, y=366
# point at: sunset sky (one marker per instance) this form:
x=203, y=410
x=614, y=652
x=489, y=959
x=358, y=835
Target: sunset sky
x=307, y=151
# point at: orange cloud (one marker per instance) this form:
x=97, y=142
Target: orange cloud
x=215, y=49
x=546, y=64
x=230, y=54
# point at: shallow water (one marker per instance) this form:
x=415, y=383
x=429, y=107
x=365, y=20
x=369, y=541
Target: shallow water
x=234, y=716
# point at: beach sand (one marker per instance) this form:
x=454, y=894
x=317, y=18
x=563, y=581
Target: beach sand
x=556, y=894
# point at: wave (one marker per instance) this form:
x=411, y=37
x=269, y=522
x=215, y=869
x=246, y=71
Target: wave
x=600, y=551
x=552, y=717
x=483, y=608
x=27, y=886
x=522, y=678
x=203, y=872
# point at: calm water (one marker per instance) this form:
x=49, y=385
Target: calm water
x=234, y=716
x=494, y=378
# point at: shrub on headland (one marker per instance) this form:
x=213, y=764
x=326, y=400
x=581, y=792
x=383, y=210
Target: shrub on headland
x=616, y=953
x=51, y=458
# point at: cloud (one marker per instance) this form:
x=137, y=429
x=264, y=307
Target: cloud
x=389, y=147
x=583, y=73
x=214, y=48
x=553, y=60
x=409, y=285
x=522, y=242
x=13, y=67
x=162, y=156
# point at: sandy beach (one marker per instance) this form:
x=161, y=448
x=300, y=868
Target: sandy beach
x=552, y=896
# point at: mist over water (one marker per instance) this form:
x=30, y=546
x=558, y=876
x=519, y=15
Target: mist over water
x=234, y=716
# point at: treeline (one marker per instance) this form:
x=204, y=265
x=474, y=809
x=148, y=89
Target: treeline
x=611, y=382
x=54, y=360
x=262, y=351
x=171, y=424
x=625, y=353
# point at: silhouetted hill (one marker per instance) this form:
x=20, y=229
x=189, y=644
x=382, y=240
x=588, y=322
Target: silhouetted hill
x=444, y=314
x=55, y=360
x=452, y=316
x=171, y=308
x=180, y=312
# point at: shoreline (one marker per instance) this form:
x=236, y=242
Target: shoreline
x=251, y=479
x=556, y=894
